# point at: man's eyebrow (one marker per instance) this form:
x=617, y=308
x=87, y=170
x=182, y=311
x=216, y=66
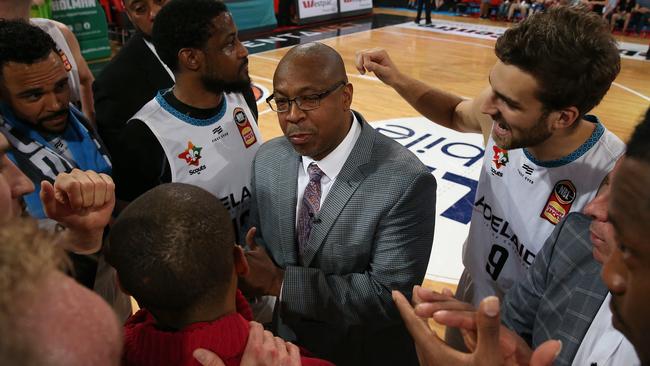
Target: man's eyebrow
x=507, y=99
x=28, y=92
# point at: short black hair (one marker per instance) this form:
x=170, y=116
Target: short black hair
x=172, y=247
x=184, y=24
x=639, y=145
x=23, y=43
x=569, y=51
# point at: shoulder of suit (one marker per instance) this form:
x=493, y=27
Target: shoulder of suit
x=575, y=245
x=391, y=152
x=132, y=54
x=271, y=148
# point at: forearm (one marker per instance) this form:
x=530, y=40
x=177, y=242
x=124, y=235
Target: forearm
x=87, y=104
x=437, y=105
x=342, y=300
x=81, y=241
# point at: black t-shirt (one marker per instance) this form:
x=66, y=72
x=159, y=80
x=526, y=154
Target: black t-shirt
x=141, y=164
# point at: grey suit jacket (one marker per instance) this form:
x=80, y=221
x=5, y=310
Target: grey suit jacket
x=561, y=293
x=372, y=235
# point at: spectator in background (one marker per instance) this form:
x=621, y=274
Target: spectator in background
x=133, y=76
x=622, y=11
x=518, y=5
x=80, y=78
x=639, y=16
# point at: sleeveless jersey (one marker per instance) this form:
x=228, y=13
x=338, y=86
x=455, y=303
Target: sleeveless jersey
x=518, y=202
x=215, y=154
x=49, y=27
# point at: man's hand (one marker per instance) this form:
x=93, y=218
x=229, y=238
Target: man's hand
x=262, y=349
x=264, y=277
x=377, y=60
x=488, y=350
x=428, y=302
x=82, y=202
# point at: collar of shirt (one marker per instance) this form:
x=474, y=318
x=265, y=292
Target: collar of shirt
x=331, y=164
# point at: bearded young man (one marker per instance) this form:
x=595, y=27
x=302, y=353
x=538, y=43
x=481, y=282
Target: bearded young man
x=544, y=156
x=203, y=130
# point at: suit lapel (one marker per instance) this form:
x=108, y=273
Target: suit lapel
x=346, y=184
x=287, y=187
x=153, y=69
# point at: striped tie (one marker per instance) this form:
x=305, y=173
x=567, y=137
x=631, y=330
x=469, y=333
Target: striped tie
x=309, y=206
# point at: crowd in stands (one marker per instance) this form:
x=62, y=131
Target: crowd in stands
x=630, y=17
x=323, y=234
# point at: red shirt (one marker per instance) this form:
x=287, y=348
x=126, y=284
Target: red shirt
x=144, y=344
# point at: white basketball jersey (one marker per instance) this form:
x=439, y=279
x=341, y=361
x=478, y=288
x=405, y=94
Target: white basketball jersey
x=215, y=154
x=519, y=200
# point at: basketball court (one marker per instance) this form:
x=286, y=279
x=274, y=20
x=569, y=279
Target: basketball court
x=454, y=54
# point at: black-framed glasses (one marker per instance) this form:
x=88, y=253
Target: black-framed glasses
x=304, y=102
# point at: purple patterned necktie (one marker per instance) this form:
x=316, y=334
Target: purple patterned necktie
x=309, y=206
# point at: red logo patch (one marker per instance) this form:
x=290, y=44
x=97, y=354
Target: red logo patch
x=559, y=202
x=244, y=126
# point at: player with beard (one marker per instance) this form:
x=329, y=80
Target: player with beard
x=203, y=130
x=544, y=156
x=49, y=135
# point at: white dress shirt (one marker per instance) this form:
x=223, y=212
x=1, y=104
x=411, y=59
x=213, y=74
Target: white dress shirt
x=330, y=165
x=603, y=345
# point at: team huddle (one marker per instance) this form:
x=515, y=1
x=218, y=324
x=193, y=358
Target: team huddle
x=310, y=248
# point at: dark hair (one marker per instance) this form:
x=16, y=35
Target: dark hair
x=172, y=246
x=184, y=24
x=23, y=43
x=639, y=145
x=569, y=51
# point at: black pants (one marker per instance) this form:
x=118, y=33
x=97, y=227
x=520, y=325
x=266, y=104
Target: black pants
x=427, y=6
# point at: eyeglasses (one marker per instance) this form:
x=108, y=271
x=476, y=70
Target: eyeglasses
x=304, y=102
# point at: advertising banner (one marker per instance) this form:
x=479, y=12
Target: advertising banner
x=317, y=8
x=355, y=5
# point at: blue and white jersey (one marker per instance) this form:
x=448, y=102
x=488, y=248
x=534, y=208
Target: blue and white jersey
x=518, y=202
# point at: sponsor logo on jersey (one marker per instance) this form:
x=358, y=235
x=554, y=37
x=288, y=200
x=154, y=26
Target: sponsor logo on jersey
x=499, y=160
x=219, y=132
x=244, y=126
x=191, y=155
x=559, y=202
x=65, y=60
x=526, y=173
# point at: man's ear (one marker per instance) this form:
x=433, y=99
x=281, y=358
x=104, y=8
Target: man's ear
x=240, y=261
x=347, y=96
x=565, y=118
x=190, y=58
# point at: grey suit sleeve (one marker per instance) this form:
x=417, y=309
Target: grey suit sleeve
x=399, y=256
x=522, y=301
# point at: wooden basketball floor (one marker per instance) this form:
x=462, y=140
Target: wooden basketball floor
x=454, y=63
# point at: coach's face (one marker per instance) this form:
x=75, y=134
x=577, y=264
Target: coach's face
x=627, y=271
x=316, y=132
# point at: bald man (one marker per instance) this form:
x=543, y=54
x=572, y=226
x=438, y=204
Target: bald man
x=343, y=215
